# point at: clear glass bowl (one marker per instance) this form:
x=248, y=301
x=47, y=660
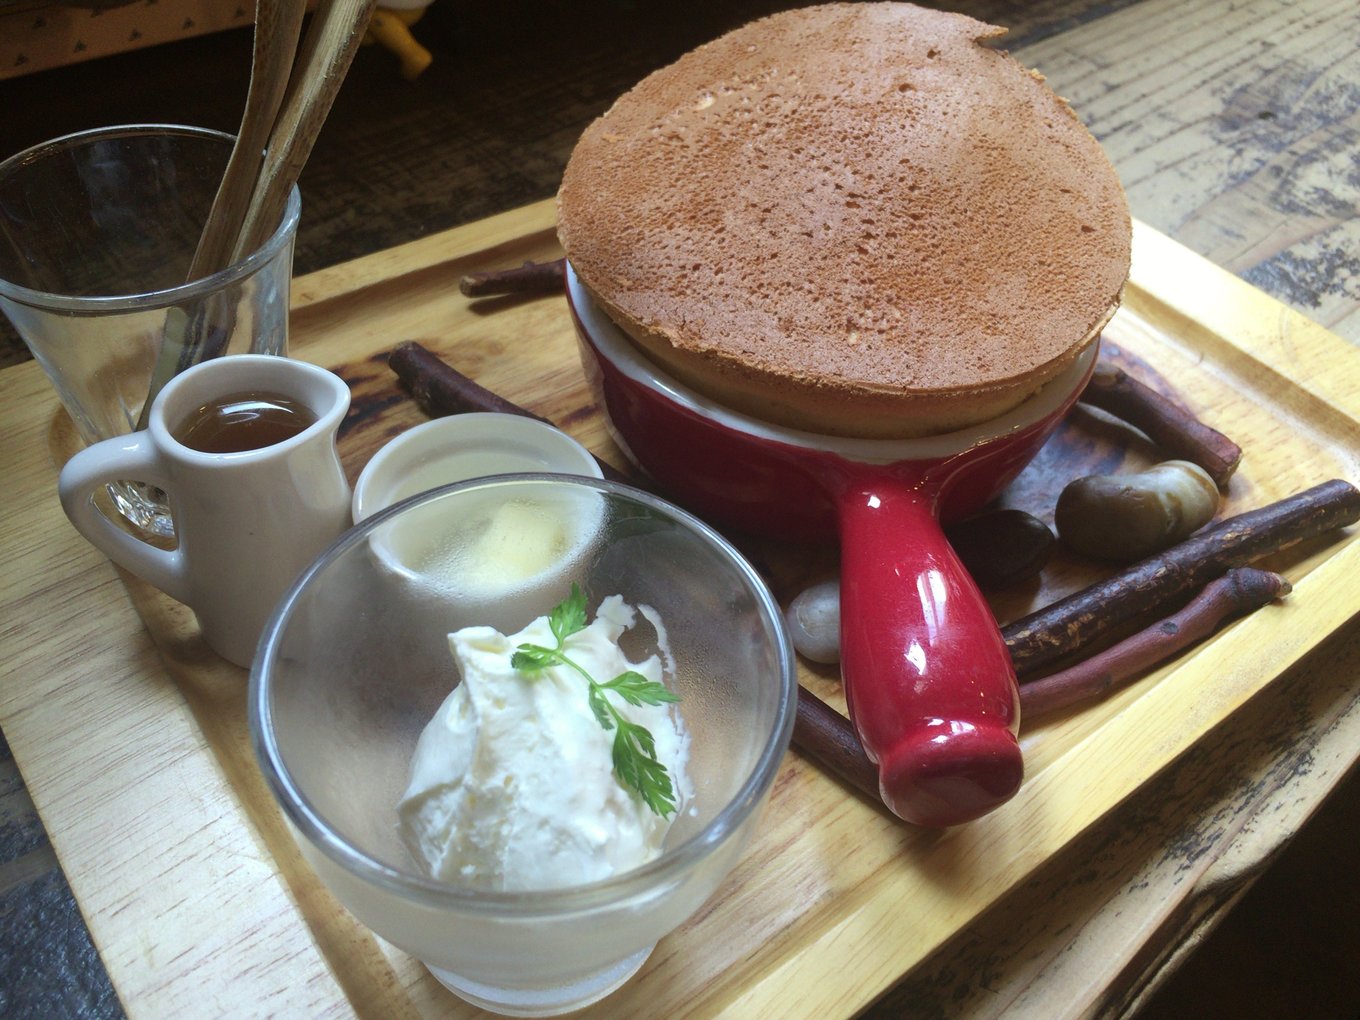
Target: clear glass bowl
x=355, y=661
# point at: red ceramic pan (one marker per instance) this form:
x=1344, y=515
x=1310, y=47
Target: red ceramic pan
x=929, y=682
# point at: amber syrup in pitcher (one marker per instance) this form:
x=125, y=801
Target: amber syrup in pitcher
x=239, y=422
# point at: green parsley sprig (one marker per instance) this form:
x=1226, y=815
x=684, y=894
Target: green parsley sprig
x=634, y=752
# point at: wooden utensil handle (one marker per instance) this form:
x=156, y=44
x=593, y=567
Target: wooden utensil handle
x=336, y=30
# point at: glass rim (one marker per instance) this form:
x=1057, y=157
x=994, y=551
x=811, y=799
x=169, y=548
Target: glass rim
x=673, y=862
x=103, y=304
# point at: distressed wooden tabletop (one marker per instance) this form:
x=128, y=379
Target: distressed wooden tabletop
x=1235, y=129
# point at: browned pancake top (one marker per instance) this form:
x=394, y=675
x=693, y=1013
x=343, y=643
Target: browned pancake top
x=853, y=196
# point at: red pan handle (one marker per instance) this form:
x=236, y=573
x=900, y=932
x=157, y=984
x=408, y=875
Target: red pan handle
x=929, y=681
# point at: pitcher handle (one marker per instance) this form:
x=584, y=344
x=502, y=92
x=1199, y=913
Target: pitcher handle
x=131, y=457
x=927, y=675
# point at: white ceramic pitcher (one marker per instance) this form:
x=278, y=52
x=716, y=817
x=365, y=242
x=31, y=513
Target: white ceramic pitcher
x=246, y=523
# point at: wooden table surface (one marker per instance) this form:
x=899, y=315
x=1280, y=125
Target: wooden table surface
x=1234, y=128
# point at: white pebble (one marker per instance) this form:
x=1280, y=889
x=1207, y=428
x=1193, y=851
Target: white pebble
x=814, y=622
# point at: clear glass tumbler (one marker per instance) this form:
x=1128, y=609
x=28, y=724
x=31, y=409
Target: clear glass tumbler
x=97, y=232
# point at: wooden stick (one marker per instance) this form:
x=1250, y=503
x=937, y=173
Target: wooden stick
x=278, y=26
x=828, y=740
x=1239, y=591
x=529, y=278
x=440, y=390
x=1067, y=625
x=187, y=340
x=1073, y=622
x=1168, y=424
x=328, y=48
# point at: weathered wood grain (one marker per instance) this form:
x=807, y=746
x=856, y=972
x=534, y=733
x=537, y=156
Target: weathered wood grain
x=1234, y=128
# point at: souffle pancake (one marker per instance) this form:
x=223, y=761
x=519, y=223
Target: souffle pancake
x=850, y=219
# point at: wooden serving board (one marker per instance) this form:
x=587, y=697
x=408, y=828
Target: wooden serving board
x=132, y=736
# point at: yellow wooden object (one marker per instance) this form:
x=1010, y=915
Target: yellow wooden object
x=392, y=29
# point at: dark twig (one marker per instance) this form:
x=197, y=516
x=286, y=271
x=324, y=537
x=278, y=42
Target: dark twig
x=1070, y=624
x=440, y=390
x=530, y=278
x=1169, y=425
x=1239, y=591
x=828, y=739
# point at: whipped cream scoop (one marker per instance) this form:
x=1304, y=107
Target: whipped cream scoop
x=512, y=784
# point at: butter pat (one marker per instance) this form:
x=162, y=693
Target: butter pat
x=512, y=784
x=521, y=541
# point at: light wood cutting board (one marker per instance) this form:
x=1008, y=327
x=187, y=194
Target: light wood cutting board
x=132, y=737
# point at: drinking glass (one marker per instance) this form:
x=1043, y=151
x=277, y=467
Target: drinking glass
x=97, y=232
